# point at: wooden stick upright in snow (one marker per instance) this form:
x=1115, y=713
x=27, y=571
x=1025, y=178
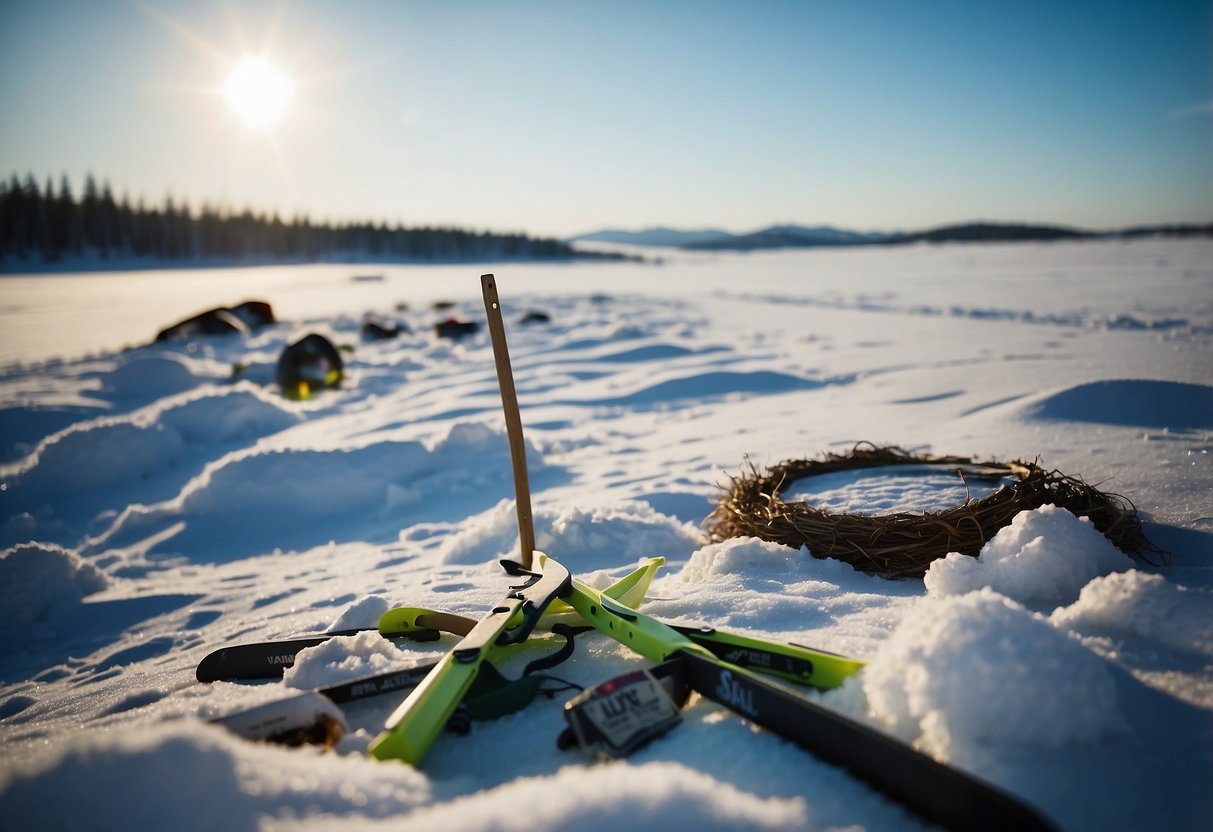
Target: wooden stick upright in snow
x=513, y=420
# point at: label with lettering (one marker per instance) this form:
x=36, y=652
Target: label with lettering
x=619, y=716
x=729, y=691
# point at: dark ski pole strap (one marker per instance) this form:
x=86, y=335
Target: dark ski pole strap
x=492, y=695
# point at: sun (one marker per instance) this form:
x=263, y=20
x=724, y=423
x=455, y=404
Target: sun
x=259, y=93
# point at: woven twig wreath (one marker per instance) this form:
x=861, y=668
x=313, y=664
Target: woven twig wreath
x=905, y=544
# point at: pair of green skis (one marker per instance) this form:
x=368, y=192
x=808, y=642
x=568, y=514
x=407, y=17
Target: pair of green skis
x=466, y=679
x=414, y=726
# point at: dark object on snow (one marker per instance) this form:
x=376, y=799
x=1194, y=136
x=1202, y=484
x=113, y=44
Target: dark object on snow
x=443, y=305
x=242, y=318
x=905, y=544
x=536, y=317
x=310, y=364
x=452, y=328
x=377, y=329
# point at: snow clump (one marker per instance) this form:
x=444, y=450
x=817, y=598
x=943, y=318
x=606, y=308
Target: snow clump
x=746, y=556
x=343, y=659
x=1144, y=605
x=606, y=536
x=362, y=614
x=581, y=539
x=36, y=578
x=965, y=674
x=1046, y=554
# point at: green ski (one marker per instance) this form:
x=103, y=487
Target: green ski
x=412, y=728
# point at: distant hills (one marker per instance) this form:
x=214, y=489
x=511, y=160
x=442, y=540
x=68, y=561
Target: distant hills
x=792, y=236
x=659, y=236
x=798, y=236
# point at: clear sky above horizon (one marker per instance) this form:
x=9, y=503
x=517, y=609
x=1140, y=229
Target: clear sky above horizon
x=557, y=118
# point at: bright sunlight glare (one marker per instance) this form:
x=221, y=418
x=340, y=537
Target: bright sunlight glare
x=258, y=92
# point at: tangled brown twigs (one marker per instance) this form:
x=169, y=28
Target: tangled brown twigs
x=905, y=544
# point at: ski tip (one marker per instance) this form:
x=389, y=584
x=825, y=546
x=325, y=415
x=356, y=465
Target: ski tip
x=632, y=589
x=225, y=665
x=394, y=745
x=207, y=670
x=403, y=621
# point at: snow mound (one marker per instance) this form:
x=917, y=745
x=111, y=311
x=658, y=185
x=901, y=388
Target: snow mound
x=363, y=613
x=718, y=384
x=1132, y=403
x=300, y=497
x=280, y=481
x=207, y=417
x=171, y=777
x=979, y=671
x=240, y=413
x=1147, y=606
x=491, y=535
x=1046, y=554
x=283, y=479
x=749, y=557
x=38, y=578
x=343, y=659
x=751, y=583
x=582, y=539
x=150, y=377
x=606, y=536
x=657, y=796
x=110, y=462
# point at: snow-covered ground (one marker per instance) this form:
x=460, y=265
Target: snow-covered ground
x=153, y=509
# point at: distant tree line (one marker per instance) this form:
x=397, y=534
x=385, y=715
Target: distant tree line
x=49, y=225
x=1016, y=232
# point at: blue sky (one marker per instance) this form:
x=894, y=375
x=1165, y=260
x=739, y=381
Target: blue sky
x=561, y=117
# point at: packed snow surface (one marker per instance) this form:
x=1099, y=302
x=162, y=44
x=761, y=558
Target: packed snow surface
x=159, y=502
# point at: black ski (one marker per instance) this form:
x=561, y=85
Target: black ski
x=929, y=788
x=268, y=659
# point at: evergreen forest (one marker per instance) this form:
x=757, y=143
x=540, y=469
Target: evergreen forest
x=48, y=225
